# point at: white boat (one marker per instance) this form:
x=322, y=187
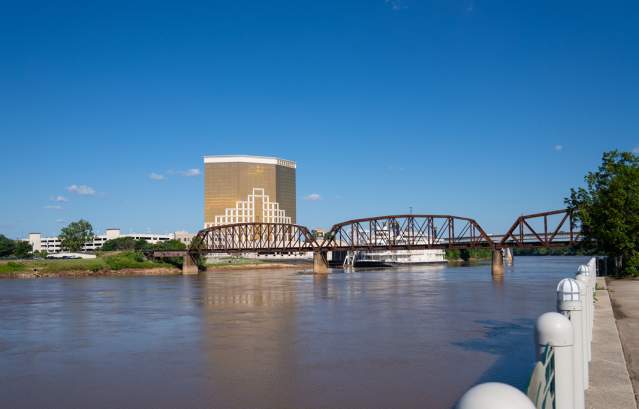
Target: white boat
x=390, y=258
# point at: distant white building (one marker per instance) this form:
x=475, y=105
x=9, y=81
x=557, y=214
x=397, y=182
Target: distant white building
x=53, y=245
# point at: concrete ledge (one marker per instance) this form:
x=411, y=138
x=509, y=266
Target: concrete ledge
x=610, y=386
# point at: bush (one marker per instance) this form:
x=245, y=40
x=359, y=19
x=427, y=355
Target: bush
x=130, y=259
x=169, y=245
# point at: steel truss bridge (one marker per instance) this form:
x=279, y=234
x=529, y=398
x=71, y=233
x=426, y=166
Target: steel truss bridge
x=396, y=232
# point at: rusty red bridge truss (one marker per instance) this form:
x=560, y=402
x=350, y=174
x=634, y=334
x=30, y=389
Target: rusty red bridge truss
x=400, y=232
x=405, y=232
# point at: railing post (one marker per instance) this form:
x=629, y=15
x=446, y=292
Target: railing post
x=556, y=330
x=570, y=300
x=494, y=395
x=589, y=313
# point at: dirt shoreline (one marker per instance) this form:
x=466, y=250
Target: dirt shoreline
x=133, y=272
x=126, y=272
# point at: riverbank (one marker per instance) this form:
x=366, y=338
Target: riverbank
x=129, y=272
x=125, y=264
x=106, y=264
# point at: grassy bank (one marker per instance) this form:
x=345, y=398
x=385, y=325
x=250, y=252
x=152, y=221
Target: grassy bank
x=104, y=262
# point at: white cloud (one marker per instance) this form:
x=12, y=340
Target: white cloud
x=190, y=172
x=635, y=149
x=54, y=207
x=559, y=148
x=60, y=221
x=395, y=4
x=59, y=198
x=156, y=176
x=82, y=190
x=313, y=197
x=470, y=6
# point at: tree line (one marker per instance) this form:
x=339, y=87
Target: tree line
x=73, y=238
x=14, y=248
x=608, y=210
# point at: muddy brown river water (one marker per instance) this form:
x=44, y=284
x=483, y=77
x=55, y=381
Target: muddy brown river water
x=405, y=338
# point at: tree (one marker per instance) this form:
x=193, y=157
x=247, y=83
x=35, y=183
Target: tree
x=7, y=246
x=126, y=243
x=169, y=245
x=76, y=234
x=608, y=209
x=40, y=254
x=22, y=249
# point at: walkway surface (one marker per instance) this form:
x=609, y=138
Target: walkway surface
x=610, y=385
x=625, y=302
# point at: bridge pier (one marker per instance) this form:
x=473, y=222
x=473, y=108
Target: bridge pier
x=189, y=266
x=508, y=256
x=497, y=268
x=320, y=262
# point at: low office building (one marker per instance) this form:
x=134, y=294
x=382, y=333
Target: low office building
x=53, y=245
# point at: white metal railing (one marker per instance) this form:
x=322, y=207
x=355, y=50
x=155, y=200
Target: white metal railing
x=563, y=338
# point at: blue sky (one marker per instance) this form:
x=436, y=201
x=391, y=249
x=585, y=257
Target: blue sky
x=477, y=108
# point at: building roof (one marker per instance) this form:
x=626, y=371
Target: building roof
x=268, y=160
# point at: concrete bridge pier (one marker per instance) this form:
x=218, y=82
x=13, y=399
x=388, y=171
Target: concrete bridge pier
x=189, y=265
x=320, y=262
x=508, y=256
x=497, y=268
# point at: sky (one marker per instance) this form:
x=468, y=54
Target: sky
x=485, y=109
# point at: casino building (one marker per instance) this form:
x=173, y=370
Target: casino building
x=243, y=189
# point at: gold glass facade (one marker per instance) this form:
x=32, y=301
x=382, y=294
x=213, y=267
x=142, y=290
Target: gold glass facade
x=245, y=188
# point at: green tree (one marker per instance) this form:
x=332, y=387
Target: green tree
x=76, y=234
x=40, y=254
x=7, y=246
x=22, y=249
x=126, y=243
x=169, y=245
x=608, y=209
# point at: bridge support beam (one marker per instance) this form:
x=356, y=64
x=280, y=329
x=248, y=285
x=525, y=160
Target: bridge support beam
x=497, y=268
x=320, y=262
x=189, y=265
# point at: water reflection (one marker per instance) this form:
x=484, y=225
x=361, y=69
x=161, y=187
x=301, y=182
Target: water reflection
x=271, y=339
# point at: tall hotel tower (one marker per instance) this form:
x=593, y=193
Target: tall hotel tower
x=242, y=189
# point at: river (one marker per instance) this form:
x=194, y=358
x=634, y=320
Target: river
x=407, y=338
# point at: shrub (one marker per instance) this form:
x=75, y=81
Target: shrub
x=129, y=259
